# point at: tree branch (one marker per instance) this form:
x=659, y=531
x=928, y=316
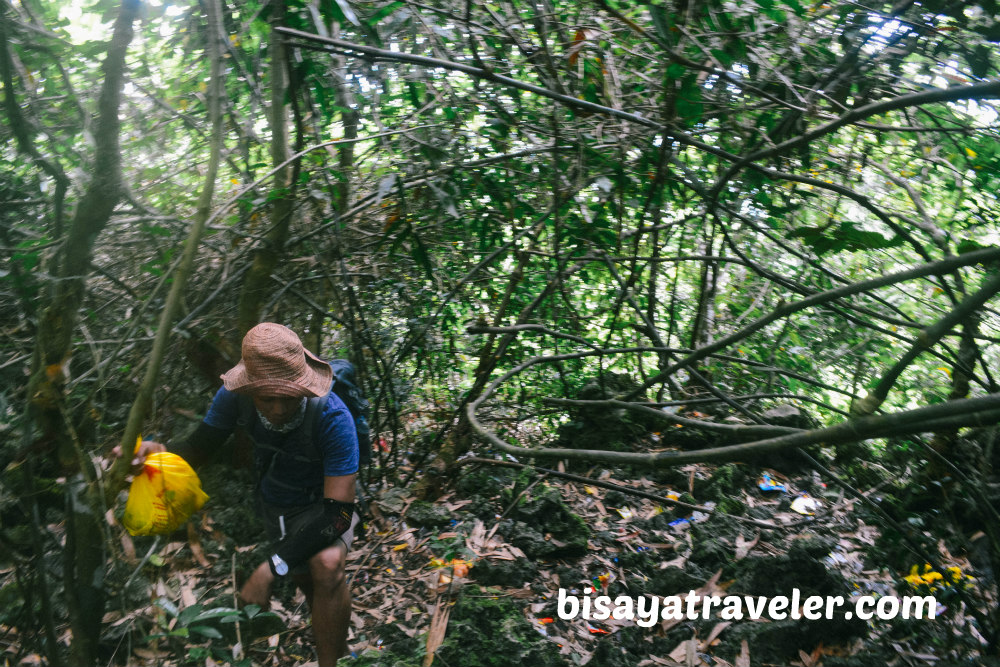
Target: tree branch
x=927, y=338
x=977, y=412
x=936, y=268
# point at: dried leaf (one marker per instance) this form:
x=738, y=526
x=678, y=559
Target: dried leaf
x=439, y=626
x=743, y=659
x=194, y=541
x=714, y=634
x=743, y=547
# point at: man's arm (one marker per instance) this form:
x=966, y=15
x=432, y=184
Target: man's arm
x=196, y=449
x=202, y=443
x=339, y=488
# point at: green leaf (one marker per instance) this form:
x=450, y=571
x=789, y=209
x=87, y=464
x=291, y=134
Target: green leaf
x=189, y=614
x=219, y=612
x=969, y=245
x=979, y=60
x=796, y=6
x=341, y=11
x=206, y=631
x=663, y=22
x=383, y=12
x=689, y=106
x=724, y=58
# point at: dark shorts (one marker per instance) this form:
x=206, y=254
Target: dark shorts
x=282, y=522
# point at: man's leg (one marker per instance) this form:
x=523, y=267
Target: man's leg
x=330, y=602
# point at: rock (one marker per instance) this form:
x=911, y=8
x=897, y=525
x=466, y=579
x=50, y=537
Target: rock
x=770, y=576
x=393, y=500
x=542, y=527
x=727, y=482
x=423, y=513
x=491, y=631
x=788, y=415
x=504, y=572
x=605, y=428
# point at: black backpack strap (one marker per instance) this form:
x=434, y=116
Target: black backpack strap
x=311, y=425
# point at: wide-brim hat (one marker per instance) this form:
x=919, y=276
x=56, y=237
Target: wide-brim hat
x=276, y=363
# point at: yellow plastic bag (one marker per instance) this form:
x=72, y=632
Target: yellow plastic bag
x=163, y=496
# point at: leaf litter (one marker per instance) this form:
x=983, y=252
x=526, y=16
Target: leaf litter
x=408, y=579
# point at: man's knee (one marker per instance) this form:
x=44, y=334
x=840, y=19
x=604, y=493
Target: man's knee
x=327, y=567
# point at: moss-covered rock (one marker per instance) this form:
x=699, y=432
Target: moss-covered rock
x=605, y=428
x=486, y=482
x=395, y=649
x=711, y=552
x=801, y=568
x=773, y=642
x=673, y=581
x=731, y=506
x=487, y=631
x=392, y=500
x=610, y=653
x=543, y=527
x=777, y=575
x=429, y=515
x=504, y=572
x=725, y=484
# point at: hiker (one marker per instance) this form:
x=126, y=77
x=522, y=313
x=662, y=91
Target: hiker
x=305, y=471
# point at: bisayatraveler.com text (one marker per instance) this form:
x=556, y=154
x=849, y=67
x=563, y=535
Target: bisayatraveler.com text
x=648, y=610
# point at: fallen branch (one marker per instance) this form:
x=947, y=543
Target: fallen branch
x=734, y=430
x=983, y=411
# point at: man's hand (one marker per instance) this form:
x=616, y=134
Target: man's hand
x=257, y=589
x=145, y=449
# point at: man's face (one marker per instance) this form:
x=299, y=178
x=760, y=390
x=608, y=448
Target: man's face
x=278, y=410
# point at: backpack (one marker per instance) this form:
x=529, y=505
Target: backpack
x=345, y=388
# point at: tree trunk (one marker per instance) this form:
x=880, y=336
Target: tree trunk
x=267, y=256
x=84, y=552
x=84, y=567
x=143, y=403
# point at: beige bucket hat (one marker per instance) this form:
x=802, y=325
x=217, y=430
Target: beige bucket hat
x=276, y=363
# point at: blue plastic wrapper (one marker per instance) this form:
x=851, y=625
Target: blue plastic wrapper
x=767, y=484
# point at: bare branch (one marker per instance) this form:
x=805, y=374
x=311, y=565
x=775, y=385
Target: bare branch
x=936, y=268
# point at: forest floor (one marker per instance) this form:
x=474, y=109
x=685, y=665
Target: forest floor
x=473, y=578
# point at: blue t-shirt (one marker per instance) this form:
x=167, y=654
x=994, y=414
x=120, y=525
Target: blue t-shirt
x=288, y=475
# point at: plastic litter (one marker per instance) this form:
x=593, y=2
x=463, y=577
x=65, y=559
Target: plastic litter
x=767, y=484
x=594, y=630
x=602, y=580
x=163, y=496
x=805, y=504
